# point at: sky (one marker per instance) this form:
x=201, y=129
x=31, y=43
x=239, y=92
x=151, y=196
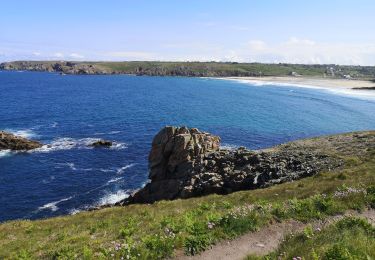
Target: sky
x=272, y=31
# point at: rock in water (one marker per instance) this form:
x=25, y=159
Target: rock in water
x=10, y=141
x=186, y=163
x=101, y=143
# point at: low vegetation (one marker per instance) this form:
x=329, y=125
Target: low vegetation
x=349, y=238
x=189, y=226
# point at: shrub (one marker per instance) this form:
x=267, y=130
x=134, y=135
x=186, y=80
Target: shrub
x=234, y=223
x=158, y=246
x=128, y=229
x=339, y=252
x=308, y=232
x=197, y=243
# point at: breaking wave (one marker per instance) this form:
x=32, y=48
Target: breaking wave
x=122, y=169
x=68, y=143
x=112, y=198
x=53, y=205
x=25, y=133
x=5, y=153
x=228, y=146
x=114, y=180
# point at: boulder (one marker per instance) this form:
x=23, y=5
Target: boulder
x=172, y=158
x=10, y=141
x=101, y=143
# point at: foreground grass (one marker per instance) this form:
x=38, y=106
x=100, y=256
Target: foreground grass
x=349, y=238
x=159, y=230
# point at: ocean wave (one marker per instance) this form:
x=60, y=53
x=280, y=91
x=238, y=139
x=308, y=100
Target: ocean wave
x=115, y=180
x=67, y=143
x=359, y=94
x=74, y=211
x=54, y=124
x=114, y=132
x=228, y=146
x=106, y=170
x=25, y=133
x=5, y=153
x=67, y=164
x=53, y=205
x=112, y=198
x=122, y=169
x=46, y=181
x=118, y=146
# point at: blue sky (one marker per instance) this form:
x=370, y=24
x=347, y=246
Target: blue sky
x=315, y=31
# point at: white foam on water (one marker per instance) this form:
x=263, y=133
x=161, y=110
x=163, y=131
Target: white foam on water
x=74, y=211
x=67, y=143
x=118, y=146
x=5, y=153
x=228, y=146
x=71, y=166
x=106, y=170
x=54, y=124
x=114, y=180
x=53, y=205
x=114, y=132
x=360, y=94
x=122, y=169
x=112, y=198
x=25, y=133
x=51, y=178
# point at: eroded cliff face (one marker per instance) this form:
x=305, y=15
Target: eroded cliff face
x=10, y=141
x=64, y=67
x=187, y=163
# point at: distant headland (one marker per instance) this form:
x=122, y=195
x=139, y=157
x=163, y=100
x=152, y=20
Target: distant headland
x=196, y=69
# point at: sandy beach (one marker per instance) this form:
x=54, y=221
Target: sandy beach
x=339, y=86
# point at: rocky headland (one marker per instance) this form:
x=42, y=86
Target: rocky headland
x=187, y=163
x=195, y=69
x=9, y=141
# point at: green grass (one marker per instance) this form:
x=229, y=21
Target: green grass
x=190, y=226
x=349, y=238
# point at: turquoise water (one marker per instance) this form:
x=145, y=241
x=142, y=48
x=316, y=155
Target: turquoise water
x=68, y=112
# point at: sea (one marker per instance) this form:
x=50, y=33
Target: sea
x=66, y=113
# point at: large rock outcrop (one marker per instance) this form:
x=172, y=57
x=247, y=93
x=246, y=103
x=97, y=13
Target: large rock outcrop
x=187, y=163
x=10, y=141
x=173, y=156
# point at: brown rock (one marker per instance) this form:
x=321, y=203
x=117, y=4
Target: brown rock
x=10, y=141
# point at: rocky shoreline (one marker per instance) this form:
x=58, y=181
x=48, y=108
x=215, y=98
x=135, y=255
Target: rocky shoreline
x=12, y=142
x=187, y=163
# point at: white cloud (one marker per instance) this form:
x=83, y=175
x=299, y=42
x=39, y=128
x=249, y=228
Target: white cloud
x=58, y=55
x=131, y=55
x=296, y=50
x=294, y=41
x=76, y=56
x=36, y=53
x=257, y=45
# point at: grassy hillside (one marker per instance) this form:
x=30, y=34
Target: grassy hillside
x=207, y=69
x=189, y=226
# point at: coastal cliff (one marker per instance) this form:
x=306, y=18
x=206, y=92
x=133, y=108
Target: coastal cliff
x=187, y=163
x=195, y=69
x=171, y=228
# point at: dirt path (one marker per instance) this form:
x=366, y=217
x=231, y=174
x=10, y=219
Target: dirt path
x=267, y=239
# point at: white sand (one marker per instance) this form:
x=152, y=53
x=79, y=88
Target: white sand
x=338, y=86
